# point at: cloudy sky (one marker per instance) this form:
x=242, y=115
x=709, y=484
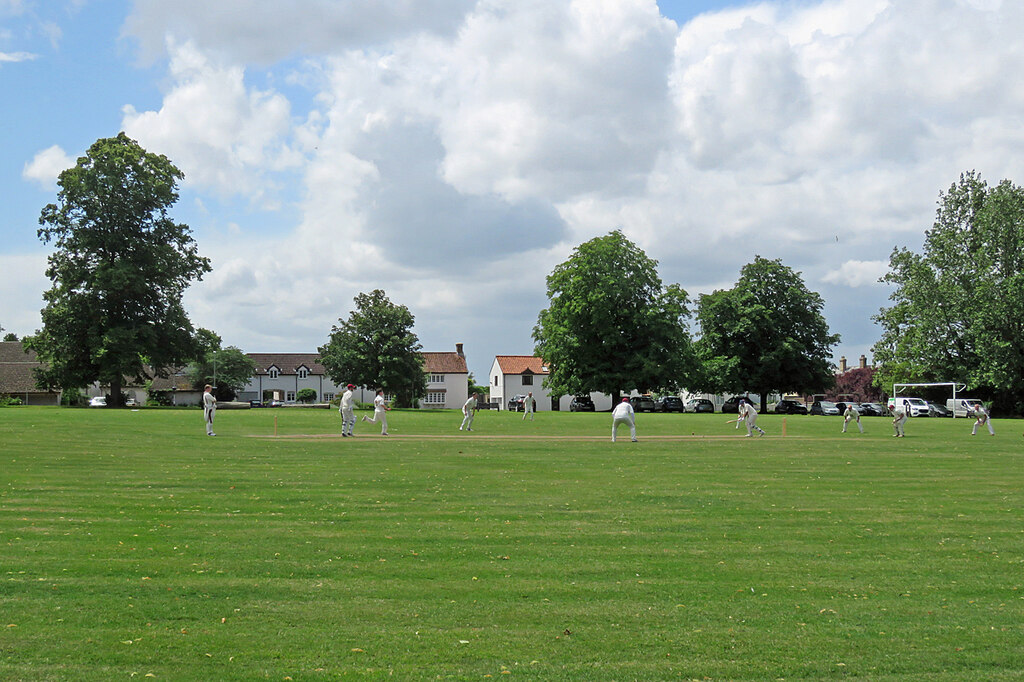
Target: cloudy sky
x=451, y=152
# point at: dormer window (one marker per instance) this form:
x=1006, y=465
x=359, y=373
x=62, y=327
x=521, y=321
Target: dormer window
x=274, y=372
x=303, y=372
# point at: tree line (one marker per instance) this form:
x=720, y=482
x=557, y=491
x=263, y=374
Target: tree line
x=121, y=265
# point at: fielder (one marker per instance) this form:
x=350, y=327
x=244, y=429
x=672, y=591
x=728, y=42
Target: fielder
x=749, y=416
x=851, y=414
x=623, y=414
x=210, y=409
x=981, y=418
x=529, y=404
x=468, y=412
x=380, y=412
x=348, y=412
x=899, y=418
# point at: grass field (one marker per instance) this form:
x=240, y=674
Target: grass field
x=132, y=546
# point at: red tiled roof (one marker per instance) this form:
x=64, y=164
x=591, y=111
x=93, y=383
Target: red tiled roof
x=521, y=364
x=444, y=363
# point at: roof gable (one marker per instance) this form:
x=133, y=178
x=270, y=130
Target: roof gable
x=521, y=364
x=444, y=363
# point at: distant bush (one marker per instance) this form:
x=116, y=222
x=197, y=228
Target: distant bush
x=306, y=395
x=73, y=397
x=9, y=401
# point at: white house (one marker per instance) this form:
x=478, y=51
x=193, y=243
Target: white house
x=280, y=376
x=513, y=375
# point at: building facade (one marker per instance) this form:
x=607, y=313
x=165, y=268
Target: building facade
x=513, y=375
x=280, y=376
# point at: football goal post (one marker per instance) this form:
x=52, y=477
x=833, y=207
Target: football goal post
x=953, y=385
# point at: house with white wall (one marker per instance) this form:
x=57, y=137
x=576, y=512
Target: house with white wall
x=513, y=375
x=280, y=376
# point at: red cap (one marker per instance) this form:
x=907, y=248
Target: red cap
x=351, y=385
x=626, y=399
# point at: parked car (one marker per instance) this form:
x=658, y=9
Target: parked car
x=643, y=403
x=937, y=410
x=963, y=407
x=274, y=403
x=669, y=403
x=255, y=403
x=872, y=409
x=515, y=403
x=913, y=407
x=98, y=401
x=732, y=405
x=699, y=405
x=790, y=407
x=581, y=403
x=824, y=407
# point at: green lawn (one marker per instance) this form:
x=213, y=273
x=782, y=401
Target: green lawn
x=132, y=546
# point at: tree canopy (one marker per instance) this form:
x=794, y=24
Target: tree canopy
x=228, y=370
x=118, y=271
x=611, y=325
x=767, y=334
x=958, y=307
x=376, y=347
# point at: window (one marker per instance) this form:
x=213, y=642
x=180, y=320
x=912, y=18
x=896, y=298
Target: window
x=274, y=372
x=435, y=398
x=289, y=397
x=329, y=397
x=527, y=380
x=303, y=372
x=495, y=379
x=437, y=378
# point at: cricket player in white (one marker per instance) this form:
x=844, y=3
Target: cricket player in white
x=851, y=414
x=899, y=418
x=529, y=405
x=749, y=416
x=981, y=417
x=468, y=412
x=623, y=414
x=380, y=412
x=348, y=411
x=209, y=409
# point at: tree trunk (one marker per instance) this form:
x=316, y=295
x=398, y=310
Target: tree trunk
x=115, y=392
x=764, y=403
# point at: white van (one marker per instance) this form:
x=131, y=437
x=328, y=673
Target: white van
x=962, y=407
x=912, y=407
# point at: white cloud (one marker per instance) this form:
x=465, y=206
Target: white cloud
x=452, y=153
x=223, y=135
x=857, y=273
x=23, y=273
x=13, y=57
x=265, y=31
x=47, y=165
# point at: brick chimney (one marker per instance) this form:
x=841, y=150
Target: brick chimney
x=458, y=350
x=863, y=362
x=842, y=365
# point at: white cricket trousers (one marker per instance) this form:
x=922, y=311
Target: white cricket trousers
x=851, y=419
x=467, y=420
x=897, y=425
x=380, y=416
x=983, y=420
x=348, y=420
x=616, y=421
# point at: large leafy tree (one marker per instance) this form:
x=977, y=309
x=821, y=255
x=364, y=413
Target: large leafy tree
x=611, y=325
x=228, y=370
x=958, y=307
x=118, y=271
x=767, y=334
x=376, y=346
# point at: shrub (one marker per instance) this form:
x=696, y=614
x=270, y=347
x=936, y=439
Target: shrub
x=306, y=395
